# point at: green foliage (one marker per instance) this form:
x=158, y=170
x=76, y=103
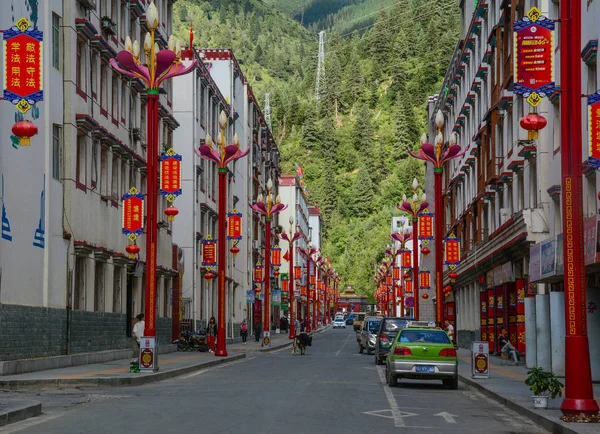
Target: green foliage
x=353, y=146
x=543, y=383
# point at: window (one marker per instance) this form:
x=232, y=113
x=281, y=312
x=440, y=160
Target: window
x=166, y=298
x=80, y=175
x=103, y=85
x=115, y=178
x=104, y=179
x=115, y=98
x=202, y=175
x=80, y=65
x=56, y=41
x=124, y=184
x=94, y=76
x=533, y=192
x=79, y=286
x=592, y=81
x=94, y=176
x=591, y=194
x=117, y=289
x=56, y=151
x=99, y=287
x=123, y=101
x=122, y=31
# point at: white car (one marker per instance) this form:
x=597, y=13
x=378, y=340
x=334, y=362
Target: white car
x=339, y=322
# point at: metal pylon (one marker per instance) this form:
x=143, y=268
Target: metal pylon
x=320, y=67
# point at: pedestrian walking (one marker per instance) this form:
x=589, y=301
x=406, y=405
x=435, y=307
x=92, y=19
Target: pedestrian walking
x=211, y=334
x=138, y=328
x=257, y=331
x=244, y=331
x=450, y=330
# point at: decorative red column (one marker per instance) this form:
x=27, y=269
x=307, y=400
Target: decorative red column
x=415, y=221
x=307, y=316
x=579, y=394
x=221, y=261
x=267, y=296
x=291, y=298
x=439, y=246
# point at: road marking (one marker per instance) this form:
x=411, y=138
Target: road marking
x=28, y=423
x=345, y=342
x=396, y=413
x=448, y=417
x=379, y=413
x=202, y=371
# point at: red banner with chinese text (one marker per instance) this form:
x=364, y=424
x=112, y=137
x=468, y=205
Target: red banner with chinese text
x=170, y=174
x=409, y=286
x=297, y=272
x=594, y=129
x=426, y=226
x=406, y=260
x=396, y=273
x=133, y=214
x=234, y=226
x=258, y=273
x=209, y=252
x=276, y=257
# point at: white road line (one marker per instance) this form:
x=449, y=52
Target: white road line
x=398, y=421
x=202, y=371
x=19, y=426
x=343, y=346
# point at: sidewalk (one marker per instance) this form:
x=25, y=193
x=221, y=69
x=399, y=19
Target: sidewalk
x=506, y=385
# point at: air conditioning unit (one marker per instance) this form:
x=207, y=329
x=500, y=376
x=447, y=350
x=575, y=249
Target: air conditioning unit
x=504, y=215
x=136, y=133
x=88, y=4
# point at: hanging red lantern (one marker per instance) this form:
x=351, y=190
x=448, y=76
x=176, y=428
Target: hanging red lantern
x=235, y=250
x=276, y=273
x=533, y=123
x=407, y=275
x=132, y=249
x=425, y=296
x=209, y=275
x=453, y=275
x=24, y=130
x=171, y=212
x=426, y=250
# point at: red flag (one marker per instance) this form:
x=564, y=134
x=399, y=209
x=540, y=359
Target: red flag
x=287, y=256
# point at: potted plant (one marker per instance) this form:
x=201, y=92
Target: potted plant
x=543, y=385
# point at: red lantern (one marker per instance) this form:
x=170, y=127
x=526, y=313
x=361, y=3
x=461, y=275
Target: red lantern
x=171, y=212
x=235, y=250
x=24, y=130
x=453, y=275
x=132, y=249
x=425, y=296
x=209, y=275
x=275, y=273
x=533, y=123
x=426, y=250
x=407, y=275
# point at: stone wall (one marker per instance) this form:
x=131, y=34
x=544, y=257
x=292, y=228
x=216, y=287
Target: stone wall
x=466, y=337
x=30, y=332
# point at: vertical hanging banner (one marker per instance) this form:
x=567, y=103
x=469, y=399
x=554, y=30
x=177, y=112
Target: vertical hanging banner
x=276, y=256
x=133, y=214
x=298, y=272
x=396, y=273
x=170, y=175
x=209, y=252
x=258, y=273
x=594, y=129
x=409, y=287
x=534, y=57
x=234, y=225
x=452, y=250
x=424, y=279
x=426, y=225
x=406, y=259
x=23, y=77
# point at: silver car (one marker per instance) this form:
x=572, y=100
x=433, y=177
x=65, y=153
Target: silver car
x=339, y=322
x=368, y=334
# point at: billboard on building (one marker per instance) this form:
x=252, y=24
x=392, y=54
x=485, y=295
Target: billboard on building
x=535, y=257
x=548, y=258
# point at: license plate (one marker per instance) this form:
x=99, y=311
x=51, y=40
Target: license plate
x=425, y=369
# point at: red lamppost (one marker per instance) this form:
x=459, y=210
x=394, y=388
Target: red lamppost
x=291, y=238
x=579, y=394
x=159, y=66
x=402, y=236
x=438, y=155
x=393, y=252
x=223, y=155
x=308, y=253
x=319, y=280
x=268, y=207
x=413, y=208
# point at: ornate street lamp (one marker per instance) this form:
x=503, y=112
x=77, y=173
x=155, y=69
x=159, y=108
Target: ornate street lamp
x=222, y=156
x=402, y=236
x=438, y=154
x=159, y=66
x=413, y=208
x=291, y=238
x=268, y=206
x=308, y=253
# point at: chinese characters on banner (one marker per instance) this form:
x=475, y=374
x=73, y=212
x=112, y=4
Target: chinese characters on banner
x=170, y=175
x=276, y=256
x=452, y=250
x=209, y=252
x=23, y=76
x=534, y=57
x=258, y=273
x=409, y=286
x=234, y=225
x=594, y=129
x=424, y=279
x=396, y=273
x=426, y=225
x=298, y=272
x=406, y=259
x=133, y=214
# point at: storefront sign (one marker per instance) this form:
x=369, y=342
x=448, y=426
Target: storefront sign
x=170, y=174
x=535, y=258
x=234, y=225
x=23, y=77
x=133, y=213
x=594, y=129
x=534, y=57
x=548, y=258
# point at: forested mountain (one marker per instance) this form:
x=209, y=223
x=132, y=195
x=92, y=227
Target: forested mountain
x=353, y=145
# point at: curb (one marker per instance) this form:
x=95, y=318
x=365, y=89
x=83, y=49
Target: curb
x=22, y=410
x=59, y=383
x=544, y=422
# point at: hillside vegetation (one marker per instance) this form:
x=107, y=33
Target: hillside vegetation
x=353, y=145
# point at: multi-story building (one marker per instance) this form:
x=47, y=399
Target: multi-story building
x=502, y=198
x=219, y=85
x=62, y=211
x=292, y=194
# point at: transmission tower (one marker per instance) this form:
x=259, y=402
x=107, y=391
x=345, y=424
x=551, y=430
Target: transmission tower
x=268, y=110
x=320, y=67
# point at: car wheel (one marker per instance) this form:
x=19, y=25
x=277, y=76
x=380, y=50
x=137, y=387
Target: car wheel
x=391, y=378
x=378, y=361
x=451, y=383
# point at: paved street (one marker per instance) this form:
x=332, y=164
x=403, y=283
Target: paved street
x=332, y=389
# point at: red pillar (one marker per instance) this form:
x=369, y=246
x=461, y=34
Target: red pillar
x=579, y=396
x=176, y=298
x=415, y=225
x=439, y=246
x=222, y=265
x=267, y=297
x=151, y=221
x=307, y=316
x=292, y=300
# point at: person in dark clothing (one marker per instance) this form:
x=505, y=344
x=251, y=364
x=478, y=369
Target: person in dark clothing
x=244, y=332
x=506, y=347
x=211, y=334
x=257, y=331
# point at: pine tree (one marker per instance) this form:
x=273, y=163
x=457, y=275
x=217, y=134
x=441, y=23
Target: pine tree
x=310, y=131
x=363, y=130
x=362, y=193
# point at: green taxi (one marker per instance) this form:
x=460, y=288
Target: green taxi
x=424, y=353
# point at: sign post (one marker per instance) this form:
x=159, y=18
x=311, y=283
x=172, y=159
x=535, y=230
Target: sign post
x=480, y=359
x=148, y=354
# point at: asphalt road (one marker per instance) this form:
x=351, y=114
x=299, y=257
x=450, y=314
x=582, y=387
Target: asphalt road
x=332, y=389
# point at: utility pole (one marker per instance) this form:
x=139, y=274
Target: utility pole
x=320, y=67
x=268, y=110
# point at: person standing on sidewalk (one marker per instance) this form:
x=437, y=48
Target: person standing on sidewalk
x=257, y=331
x=211, y=334
x=450, y=330
x=138, y=328
x=244, y=332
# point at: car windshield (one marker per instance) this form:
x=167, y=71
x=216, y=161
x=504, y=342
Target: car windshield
x=339, y=319
x=425, y=336
x=393, y=325
x=374, y=326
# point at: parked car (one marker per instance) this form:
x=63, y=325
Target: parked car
x=350, y=318
x=390, y=326
x=424, y=353
x=368, y=334
x=339, y=322
x=358, y=321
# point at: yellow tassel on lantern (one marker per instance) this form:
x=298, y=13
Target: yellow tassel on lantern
x=532, y=135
